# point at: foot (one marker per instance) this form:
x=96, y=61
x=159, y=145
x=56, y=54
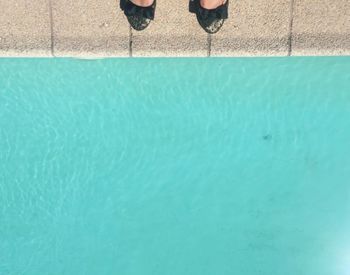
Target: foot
x=211, y=14
x=139, y=13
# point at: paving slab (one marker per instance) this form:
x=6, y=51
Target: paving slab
x=89, y=28
x=174, y=32
x=321, y=27
x=25, y=28
x=95, y=28
x=254, y=27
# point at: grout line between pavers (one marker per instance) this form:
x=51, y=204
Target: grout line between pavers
x=52, y=46
x=209, y=38
x=291, y=21
x=130, y=41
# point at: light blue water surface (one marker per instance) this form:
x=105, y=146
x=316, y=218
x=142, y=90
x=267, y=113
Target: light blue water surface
x=169, y=167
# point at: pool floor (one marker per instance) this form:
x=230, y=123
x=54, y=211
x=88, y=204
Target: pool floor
x=164, y=166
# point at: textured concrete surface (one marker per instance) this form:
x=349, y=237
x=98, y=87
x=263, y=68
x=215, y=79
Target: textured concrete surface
x=255, y=27
x=174, y=32
x=321, y=27
x=95, y=28
x=25, y=28
x=89, y=28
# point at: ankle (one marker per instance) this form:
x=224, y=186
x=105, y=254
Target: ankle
x=211, y=4
x=143, y=3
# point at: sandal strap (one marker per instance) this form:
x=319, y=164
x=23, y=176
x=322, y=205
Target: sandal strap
x=130, y=9
x=220, y=12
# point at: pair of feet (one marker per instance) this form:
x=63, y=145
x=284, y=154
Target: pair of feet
x=211, y=14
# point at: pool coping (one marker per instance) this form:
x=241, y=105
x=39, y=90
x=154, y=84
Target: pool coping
x=98, y=29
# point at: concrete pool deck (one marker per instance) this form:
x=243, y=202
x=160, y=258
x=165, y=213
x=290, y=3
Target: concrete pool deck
x=97, y=28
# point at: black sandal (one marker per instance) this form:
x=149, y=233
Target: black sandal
x=210, y=20
x=139, y=17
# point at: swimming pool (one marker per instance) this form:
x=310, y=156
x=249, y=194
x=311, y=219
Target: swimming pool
x=164, y=166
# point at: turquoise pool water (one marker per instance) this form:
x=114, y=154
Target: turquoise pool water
x=188, y=166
